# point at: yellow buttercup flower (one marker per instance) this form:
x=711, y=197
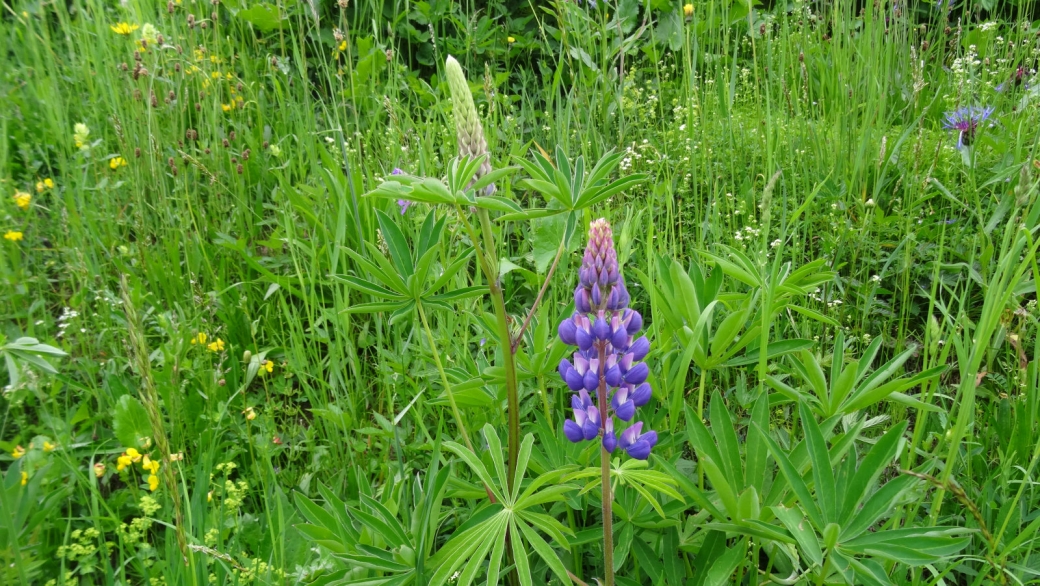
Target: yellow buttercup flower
x=687, y=10
x=48, y=446
x=13, y=235
x=116, y=163
x=216, y=346
x=22, y=199
x=17, y=452
x=199, y=338
x=266, y=366
x=123, y=28
x=25, y=478
x=153, y=482
x=99, y=469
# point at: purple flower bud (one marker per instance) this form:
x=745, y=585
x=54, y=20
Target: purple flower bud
x=637, y=444
x=573, y=431
x=639, y=348
x=601, y=330
x=641, y=395
x=634, y=321
x=582, y=303
x=619, y=339
x=637, y=374
x=583, y=338
x=623, y=405
x=575, y=381
x=590, y=428
x=397, y=171
x=567, y=331
x=609, y=437
x=613, y=376
x=597, y=295
x=591, y=380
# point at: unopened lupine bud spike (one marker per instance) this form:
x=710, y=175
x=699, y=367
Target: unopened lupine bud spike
x=468, y=129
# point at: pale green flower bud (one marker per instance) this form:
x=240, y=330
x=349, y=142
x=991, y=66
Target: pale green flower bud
x=467, y=124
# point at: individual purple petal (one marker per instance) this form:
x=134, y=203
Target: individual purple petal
x=619, y=339
x=403, y=204
x=573, y=431
x=639, y=450
x=639, y=348
x=590, y=428
x=581, y=300
x=591, y=380
x=634, y=321
x=601, y=330
x=613, y=376
x=641, y=395
x=567, y=331
x=583, y=338
x=630, y=435
x=597, y=295
x=637, y=374
x=609, y=437
x=564, y=366
x=574, y=380
x=625, y=411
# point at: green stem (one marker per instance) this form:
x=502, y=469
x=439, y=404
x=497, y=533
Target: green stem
x=700, y=415
x=444, y=377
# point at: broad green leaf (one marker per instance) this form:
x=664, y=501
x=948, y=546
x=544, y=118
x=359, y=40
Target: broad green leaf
x=130, y=423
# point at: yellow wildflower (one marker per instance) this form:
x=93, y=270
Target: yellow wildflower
x=44, y=185
x=177, y=457
x=123, y=28
x=215, y=75
x=209, y=496
x=510, y=40
x=48, y=446
x=123, y=462
x=250, y=414
x=228, y=107
x=99, y=469
x=216, y=346
x=17, y=452
x=13, y=235
x=135, y=456
x=266, y=366
x=22, y=199
x=116, y=163
x=150, y=465
x=25, y=478
x=153, y=482
x=199, y=338
x=687, y=10
x=342, y=46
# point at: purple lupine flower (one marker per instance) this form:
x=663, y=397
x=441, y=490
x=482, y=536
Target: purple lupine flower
x=966, y=121
x=609, y=357
x=404, y=203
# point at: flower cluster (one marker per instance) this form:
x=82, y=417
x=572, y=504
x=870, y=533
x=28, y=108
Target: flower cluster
x=609, y=356
x=127, y=459
x=966, y=121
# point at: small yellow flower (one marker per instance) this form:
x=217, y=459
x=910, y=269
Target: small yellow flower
x=150, y=465
x=510, y=40
x=135, y=456
x=153, y=482
x=209, y=496
x=342, y=46
x=123, y=462
x=199, y=338
x=22, y=199
x=99, y=469
x=13, y=235
x=17, y=452
x=44, y=185
x=228, y=107
x=216, y=346
x=116, y=163
x=25, y=478
x=687, y=10
x=215, y=75
x=48, y=446
x=123, y=28
x=177, y=457
x=250, y=414
x=266, y=366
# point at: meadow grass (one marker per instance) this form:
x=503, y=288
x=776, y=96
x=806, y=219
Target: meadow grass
x=176, y=260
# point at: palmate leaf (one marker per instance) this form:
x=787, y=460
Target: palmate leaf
x=485, y=534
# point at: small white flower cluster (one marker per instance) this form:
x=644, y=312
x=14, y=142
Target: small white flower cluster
x=65, y=320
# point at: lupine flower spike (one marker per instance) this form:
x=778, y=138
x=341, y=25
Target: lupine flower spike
x=470, y=132
x=609, y=356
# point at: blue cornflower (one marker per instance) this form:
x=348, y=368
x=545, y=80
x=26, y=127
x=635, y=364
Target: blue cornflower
x=966, y=121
